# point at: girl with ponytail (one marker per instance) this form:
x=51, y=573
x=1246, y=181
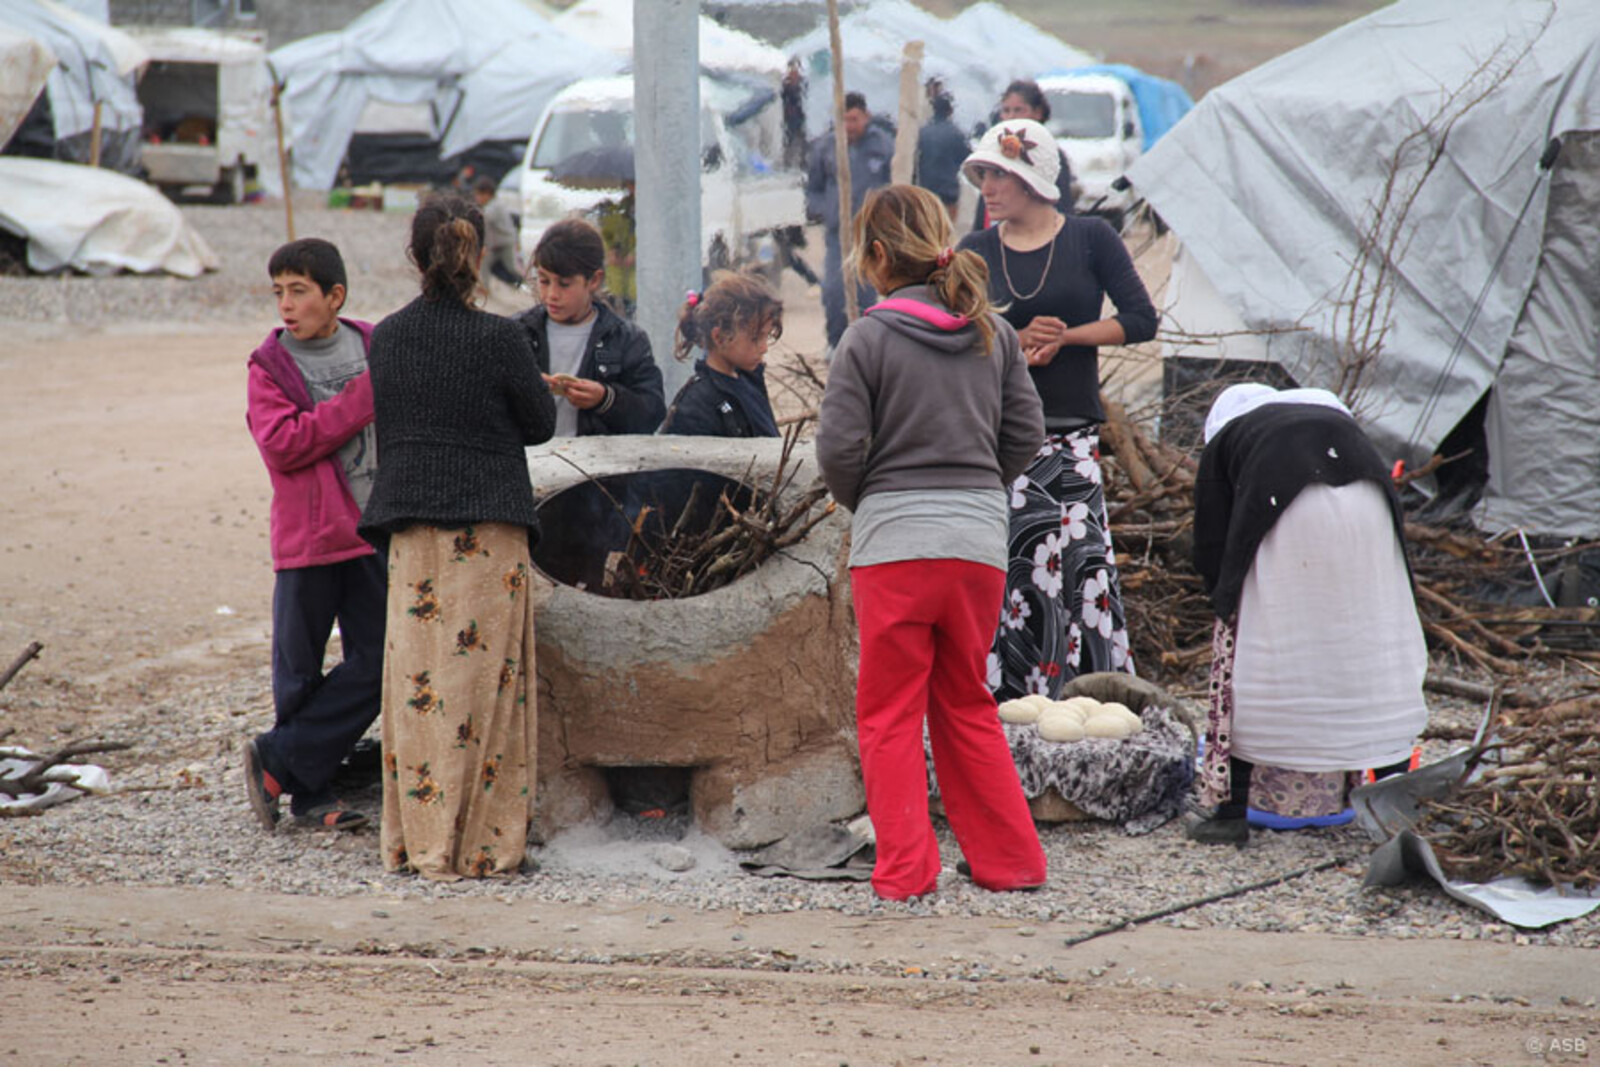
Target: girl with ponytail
x=457, y=397
x=929, y=414
x=733, y=321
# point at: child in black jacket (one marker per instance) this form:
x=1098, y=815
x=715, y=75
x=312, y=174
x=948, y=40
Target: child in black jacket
x=597, y=363
x=733, y=321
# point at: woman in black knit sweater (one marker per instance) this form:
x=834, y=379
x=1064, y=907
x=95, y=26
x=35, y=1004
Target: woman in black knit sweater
x=1050, y=274
x=457, y=398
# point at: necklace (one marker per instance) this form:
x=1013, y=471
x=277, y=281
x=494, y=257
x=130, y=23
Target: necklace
x=1005, y=269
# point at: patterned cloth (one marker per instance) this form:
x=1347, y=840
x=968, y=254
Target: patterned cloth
x=459, y=720
x=1062, y=615
x=1276, y=790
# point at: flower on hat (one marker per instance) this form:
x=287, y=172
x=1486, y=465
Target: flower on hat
x=1014, y=144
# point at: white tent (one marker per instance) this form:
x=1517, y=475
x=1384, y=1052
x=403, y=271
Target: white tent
x=991, y=28
x=97, y=221
x=25, y=66
x=486, y=68
x=608, y=24
x=1270, y=183
x=973, y=69
x=94, y=64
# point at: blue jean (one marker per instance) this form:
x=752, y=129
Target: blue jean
x=321, y=716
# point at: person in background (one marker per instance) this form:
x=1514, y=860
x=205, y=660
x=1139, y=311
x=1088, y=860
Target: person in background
x=793, y=96
x=500, y=233
x=941, y=149
x=1023, y=99
x=310, y=412
x=733, y=322
x=614, y=220
x=458, y=400
x=1318, y=655
x=1052, y=273
x=871, y=151
x=596, y=362
x=928, y=415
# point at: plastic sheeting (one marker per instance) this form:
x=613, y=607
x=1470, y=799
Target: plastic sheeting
x=973, y=69
x=25, y=66
x=96, y=221
x=94, y=64
x=608, y=24
x=486, y=69
x=1270, y=179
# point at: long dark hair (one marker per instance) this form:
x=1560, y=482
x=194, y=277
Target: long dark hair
x=1029, y=90
x=446, y=235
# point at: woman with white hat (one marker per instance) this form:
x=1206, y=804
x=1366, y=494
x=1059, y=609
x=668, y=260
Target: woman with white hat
x=1051, y=273
x=1318, y=656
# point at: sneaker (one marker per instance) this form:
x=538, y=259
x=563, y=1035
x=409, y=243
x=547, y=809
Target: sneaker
x=261, y=788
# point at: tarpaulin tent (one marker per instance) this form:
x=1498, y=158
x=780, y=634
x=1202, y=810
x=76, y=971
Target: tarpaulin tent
x=608, y=24
x=485, y=68
x=1270, y=183
x=95, y=64
x=973, y=70
x=990, y=28
x=25, y=66
x=97, y=221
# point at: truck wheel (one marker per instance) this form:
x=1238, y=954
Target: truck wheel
x=230, y=188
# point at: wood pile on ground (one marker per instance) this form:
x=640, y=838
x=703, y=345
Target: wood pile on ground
x=1532, y=808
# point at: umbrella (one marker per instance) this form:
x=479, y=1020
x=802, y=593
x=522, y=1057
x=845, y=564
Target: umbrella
x=606, y=167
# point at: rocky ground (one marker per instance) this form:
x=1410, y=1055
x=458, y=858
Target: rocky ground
x=135, y=551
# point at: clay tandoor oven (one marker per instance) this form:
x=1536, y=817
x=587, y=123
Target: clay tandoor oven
x=744, y=694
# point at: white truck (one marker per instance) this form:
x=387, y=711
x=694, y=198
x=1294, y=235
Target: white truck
x=745, y=201
x=1105, y=117
x=208, y=126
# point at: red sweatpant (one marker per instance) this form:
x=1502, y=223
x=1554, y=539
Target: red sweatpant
x=925, y=628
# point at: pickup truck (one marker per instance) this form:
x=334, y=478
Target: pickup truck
x=745, y=201
x=1104, y=118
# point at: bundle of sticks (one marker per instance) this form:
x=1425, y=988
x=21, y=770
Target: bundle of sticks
x=747, y=526
x=1534, y=813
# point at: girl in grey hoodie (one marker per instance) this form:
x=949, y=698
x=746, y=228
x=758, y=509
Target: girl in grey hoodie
x=929, y=414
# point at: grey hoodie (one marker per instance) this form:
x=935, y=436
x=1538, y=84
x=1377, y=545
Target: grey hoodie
x=913, y=403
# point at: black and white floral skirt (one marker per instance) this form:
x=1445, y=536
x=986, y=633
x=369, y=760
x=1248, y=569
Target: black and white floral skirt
x=1062, y=614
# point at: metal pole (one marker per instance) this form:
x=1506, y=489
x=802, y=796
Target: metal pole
x=841, y=161
x=666, y=108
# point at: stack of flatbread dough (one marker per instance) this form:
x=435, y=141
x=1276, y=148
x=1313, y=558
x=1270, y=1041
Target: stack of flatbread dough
x=1072, y=720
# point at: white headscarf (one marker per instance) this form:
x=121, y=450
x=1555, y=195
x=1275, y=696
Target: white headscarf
x=1244, y=398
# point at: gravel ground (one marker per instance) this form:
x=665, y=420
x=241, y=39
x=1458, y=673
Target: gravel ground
x=181, y=818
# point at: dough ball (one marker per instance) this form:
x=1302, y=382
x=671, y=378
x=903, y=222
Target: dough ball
x=1126, y=714
x=1019, y=711
x=1038, y=700
x=1082, y=707
x=1109, y=726
x=1060, y=724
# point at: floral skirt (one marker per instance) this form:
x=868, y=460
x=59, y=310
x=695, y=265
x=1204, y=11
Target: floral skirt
x=1062, y=615
x=1276, y=790
x=459, y=723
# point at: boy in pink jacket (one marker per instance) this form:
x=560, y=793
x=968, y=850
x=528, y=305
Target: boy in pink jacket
x=310, y=412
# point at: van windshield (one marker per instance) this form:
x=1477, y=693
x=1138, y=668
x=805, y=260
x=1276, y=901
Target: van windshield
x=1087, y=115
x=570, y=132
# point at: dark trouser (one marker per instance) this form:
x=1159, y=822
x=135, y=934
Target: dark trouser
x=833, y=289
x=1237, y=806
x=320, y=717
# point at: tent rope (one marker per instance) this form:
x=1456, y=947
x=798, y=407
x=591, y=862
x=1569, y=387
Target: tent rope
x=1547, y=161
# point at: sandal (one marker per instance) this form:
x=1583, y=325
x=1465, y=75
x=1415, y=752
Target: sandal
x=262, y=789
x=330, y=817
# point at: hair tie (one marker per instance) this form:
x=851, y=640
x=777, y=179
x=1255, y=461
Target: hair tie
x=946, y=256
x=691, y=298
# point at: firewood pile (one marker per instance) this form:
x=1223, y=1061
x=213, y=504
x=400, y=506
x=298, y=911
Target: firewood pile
x=1534, y=807
x=1149, y=488
x=748, y=525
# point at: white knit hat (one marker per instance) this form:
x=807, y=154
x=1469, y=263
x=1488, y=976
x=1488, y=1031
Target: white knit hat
x=1021, y=147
